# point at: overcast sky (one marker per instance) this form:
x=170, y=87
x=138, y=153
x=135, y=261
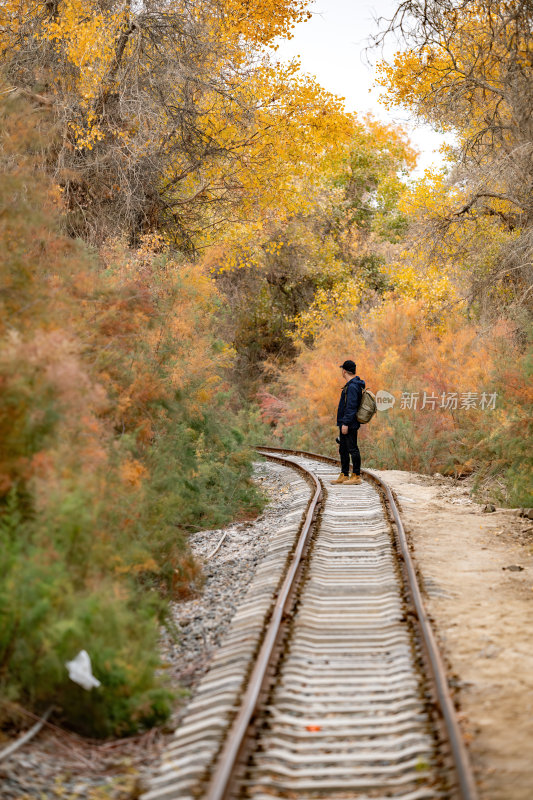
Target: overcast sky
x=331, y=46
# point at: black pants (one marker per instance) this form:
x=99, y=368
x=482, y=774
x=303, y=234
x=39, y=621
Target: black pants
x=348, y=447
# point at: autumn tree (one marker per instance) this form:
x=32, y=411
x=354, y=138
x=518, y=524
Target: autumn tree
x=303, y=271
x=467, y=67
x=174, y=117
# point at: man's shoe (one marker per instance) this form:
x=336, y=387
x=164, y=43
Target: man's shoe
x=355, y=479
x=341, y=479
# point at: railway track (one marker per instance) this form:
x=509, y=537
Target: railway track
x=329, y=683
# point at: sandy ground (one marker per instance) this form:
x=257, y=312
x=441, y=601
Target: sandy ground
x=482, y=613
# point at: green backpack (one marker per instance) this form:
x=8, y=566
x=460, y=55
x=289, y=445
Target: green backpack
x=368, y=406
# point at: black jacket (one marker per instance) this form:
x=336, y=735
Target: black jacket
x=350, y=401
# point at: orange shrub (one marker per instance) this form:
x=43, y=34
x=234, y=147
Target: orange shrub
x=395, y=351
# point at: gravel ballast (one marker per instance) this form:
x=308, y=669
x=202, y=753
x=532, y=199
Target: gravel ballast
x=204, y=727
x=202, y=621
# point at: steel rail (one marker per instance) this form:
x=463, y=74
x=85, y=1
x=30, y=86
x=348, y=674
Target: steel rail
x=461, y=761
x=229, y=755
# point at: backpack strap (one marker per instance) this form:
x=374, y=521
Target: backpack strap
x=345, y=393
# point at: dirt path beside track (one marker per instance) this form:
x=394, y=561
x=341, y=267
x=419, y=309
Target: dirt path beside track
x=481, y=604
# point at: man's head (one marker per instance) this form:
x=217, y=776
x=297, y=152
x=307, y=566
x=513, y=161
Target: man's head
x=348, y=369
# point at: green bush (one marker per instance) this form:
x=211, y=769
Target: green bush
x=47, y=616
x=200, y=473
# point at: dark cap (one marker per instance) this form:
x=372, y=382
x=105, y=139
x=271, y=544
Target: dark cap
x=349, y=366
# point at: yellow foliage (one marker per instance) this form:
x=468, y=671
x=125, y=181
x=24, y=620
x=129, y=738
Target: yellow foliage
x=234, y=137
x=264, y=20
x=328, y=305
x=86, y=40
x=133, y=472
x=434, y=71
x=439, y=263
x=430, y=285
x=298, y=133
x=465, y=74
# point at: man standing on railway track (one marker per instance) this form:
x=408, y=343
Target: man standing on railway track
x=349, y=403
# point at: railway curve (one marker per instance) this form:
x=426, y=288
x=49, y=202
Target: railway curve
x=329, y=683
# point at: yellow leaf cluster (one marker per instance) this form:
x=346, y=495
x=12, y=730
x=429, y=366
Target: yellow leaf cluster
x=133, y=472
x=263, y=21
x=430, y=285
x=297, y=133
x=328, y=305
x=462, y=246
x=14, y=15
x=85, y=39
x=459, y=78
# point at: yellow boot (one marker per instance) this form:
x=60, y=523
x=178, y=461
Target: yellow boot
x=354, y=480
x=341, y=479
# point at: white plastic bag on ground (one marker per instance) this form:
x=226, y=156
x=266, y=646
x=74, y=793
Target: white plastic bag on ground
x=79, y=671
